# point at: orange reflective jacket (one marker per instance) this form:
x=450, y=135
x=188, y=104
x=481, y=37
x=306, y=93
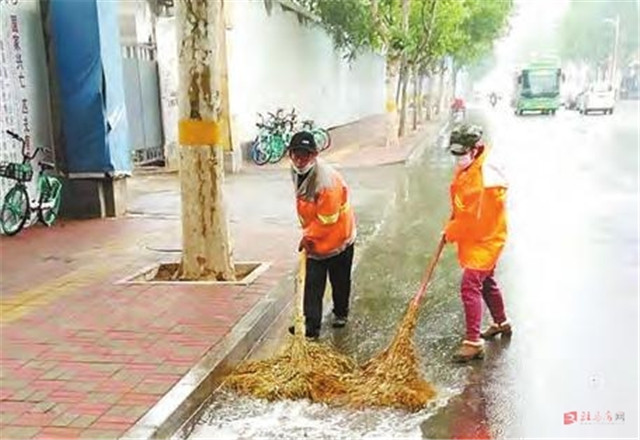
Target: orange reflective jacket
x=327, y=219
x=479, y=222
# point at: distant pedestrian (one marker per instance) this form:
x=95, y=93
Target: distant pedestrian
x=478, y=227
x=458, y=105
x=328, y=232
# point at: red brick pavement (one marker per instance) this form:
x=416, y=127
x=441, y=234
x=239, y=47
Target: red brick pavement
x=84, y=357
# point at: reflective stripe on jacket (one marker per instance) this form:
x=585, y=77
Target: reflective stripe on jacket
x=326, y=217
x=479, y=222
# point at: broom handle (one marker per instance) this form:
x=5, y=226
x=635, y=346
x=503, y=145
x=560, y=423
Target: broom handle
x=427, y=275
x=302, y=274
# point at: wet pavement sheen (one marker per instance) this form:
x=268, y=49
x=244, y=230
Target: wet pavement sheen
x=570, y=278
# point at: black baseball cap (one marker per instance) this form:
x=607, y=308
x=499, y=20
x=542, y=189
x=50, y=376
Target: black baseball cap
x=464, y=138
x=303, y=140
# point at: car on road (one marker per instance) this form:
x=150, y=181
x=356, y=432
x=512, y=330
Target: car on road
x=597, y=97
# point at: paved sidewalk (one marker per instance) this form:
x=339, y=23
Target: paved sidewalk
x=369, y=142
x=85, y=357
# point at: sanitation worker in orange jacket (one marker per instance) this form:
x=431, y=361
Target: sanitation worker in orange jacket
x=478, y=227
x=328, y=232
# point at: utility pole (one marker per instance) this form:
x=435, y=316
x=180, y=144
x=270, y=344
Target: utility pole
x=206, y=247
x=614, y=61
x=614, y=64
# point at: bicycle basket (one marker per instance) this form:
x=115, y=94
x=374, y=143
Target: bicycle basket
x=16, y=171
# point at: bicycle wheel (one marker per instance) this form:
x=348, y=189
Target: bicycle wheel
x=15, y=210
x=259, y=152
x=50, y=196
x=322, y=138
x=277, y=148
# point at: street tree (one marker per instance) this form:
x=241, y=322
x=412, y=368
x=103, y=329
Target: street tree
x=351, y=24
x=483, y=23
x=414, y=35
x=587, y=34
x=202, y=128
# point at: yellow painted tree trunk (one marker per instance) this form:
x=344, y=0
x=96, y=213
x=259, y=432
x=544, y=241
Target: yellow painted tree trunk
x=207, y=251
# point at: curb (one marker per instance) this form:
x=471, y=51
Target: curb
x=420, y=147
x=184, y=400
x=177, y=406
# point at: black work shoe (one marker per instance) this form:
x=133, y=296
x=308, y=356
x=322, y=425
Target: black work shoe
x=307, y=333
x=339, y=321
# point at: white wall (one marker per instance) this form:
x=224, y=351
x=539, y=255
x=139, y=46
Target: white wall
x=274, y=61
x=135, y=21
x=24, y=86
x=168, y=77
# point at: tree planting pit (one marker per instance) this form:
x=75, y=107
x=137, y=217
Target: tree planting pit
x=246, y=273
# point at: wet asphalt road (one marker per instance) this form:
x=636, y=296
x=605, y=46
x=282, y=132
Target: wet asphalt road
x=570, y=278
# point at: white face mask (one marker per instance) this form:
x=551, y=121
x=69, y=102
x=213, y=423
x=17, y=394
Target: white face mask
x=465, y=161
x=306, y=168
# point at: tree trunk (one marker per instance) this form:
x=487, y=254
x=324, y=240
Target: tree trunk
x=401, y=73
x=420, y=98
x=403, y=103
x=405, y=14
x=404, y=71
x=390, y=86
x=416, y=99
x=224, y=114
x=432, y=95
x=205, y=237
x=456, y=70
x=441, y=87
x=391, y=106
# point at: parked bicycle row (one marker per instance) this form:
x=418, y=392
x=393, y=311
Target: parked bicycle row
x=275, y=132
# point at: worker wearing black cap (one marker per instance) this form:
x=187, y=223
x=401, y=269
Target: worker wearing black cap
x=328, y=231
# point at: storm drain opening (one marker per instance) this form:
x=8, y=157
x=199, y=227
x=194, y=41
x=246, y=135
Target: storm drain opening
x=246, y=273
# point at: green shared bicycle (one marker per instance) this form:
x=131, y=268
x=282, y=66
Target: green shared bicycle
x=274, y=134
x=17, y=206
x=272, y=139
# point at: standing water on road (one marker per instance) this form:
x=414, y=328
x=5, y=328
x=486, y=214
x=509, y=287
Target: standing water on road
x=569, y=271
x=387, y=276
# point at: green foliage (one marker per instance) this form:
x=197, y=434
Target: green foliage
x=484, y=22
x=464, y=29
x=349, y=22
x=446, y=34
x=587, y=32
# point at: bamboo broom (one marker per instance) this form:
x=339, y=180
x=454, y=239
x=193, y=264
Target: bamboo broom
x=304, y=369
x=393, y=377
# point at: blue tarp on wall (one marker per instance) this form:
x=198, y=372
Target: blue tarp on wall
x=89, y=65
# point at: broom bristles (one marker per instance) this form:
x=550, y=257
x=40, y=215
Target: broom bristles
x=393, y=378
x=303, y=370
x=314, y=371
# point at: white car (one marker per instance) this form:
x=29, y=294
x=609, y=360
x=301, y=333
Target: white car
x=598, y=97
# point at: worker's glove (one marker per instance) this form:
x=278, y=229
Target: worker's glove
x=307, y=245
x=448, y=238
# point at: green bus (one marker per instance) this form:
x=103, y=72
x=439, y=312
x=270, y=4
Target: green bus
x=537, y=87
